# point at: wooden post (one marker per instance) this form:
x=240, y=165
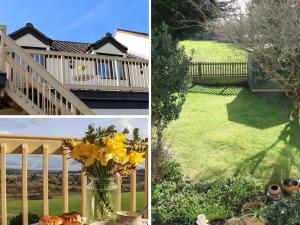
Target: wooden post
x=62, y=69
x=146, y=186
x=2, y=48
x=45, y=180
x=65, y=181
x=133, y=192
x=3, y=184
x=24, y=184
x=119, y=194
x=84, y=194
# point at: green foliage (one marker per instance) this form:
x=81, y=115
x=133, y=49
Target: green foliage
x=286, y=211
x=165, y=166
x=218, y=199
x=170, y=77
x=17, y=220
x=183, y=18
x=257, y=213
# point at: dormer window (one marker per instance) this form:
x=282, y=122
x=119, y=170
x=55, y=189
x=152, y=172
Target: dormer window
x=108, y=46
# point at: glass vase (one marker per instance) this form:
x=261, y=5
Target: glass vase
x=101, y=199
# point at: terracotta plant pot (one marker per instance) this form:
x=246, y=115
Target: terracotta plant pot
x=249, y=221
x=290, y=186
x=274, y=191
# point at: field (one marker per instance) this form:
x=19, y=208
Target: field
x=213, y=51
x=55, y=204
x=227, y=131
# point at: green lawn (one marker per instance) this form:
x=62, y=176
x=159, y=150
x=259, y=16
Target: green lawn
x=213, y=51
x=229, y=131
x=55, y=204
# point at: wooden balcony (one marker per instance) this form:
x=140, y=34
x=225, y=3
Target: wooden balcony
x=46, y=146
x=95, y=72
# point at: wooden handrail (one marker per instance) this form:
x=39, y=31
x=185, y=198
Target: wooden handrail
x=26, y=145
x=90, y=71
x=82, y=55
x=39, y=75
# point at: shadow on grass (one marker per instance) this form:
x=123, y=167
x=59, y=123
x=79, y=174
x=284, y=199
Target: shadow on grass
x=253, y=110
x=216, y=89
x=281, y=167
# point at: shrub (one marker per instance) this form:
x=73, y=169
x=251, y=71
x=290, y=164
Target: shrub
x=163, y=190
x=219, y=199
x=165, y=166
x=286, y=211
x=17, y=220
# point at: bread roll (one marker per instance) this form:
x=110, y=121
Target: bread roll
x=72, y=223
x=71, y=217
x=50, y=220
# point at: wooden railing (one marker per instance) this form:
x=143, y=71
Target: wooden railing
x=32, y=87
x=27, y=145
x=218, y=71
x=88, y=71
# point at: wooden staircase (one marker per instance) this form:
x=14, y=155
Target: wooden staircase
x=32, y=87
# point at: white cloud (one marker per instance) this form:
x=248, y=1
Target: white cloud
x=5, y=132
x=125, y=123
x=39, y=121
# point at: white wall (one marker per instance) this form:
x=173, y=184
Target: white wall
x=121, y=111
x=31, y=41
x=108, y=48
x=136, y=44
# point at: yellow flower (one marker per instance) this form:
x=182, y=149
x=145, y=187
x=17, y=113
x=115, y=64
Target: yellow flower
x=75, y=153
x=120, y=137
x=135, y=158
x=88, y=162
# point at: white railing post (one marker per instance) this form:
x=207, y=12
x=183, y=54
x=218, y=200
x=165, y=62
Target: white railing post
x=117, y=73
x=2, y=48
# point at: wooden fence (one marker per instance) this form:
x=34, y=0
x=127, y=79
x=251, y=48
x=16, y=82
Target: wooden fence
x=46, y=146
x=219, y=72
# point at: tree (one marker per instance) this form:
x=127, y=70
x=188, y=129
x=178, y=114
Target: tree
x=270, y=31
x=186, y=18
x=170, y=80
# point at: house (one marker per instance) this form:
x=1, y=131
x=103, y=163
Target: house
x=48, y=76
x=137, y=42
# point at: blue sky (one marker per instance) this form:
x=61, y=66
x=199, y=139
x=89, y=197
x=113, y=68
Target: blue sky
x=60, y=127
x=76, y=20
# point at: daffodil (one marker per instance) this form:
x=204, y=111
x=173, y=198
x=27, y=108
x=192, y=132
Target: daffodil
x=135, y=158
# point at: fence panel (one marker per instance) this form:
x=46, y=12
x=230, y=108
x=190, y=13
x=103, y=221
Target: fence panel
x=219, y=72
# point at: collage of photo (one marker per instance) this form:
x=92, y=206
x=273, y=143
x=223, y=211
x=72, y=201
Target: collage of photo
x=150, y=112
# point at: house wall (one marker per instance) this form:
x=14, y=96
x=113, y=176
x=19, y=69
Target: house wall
x=108, y=48
x=136, y=44
x=31, y=41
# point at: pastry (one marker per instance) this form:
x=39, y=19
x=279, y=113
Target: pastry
x=50, y=220
x=72, y=223
x=71, y=217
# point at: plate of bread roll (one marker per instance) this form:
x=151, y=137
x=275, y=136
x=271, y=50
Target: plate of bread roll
x=74, y=218
x=71, y=218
